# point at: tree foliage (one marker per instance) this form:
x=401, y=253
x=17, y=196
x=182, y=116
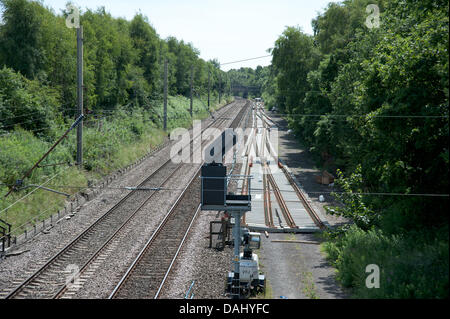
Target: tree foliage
x=372, y=104
x=123, y=60
x=377, y=100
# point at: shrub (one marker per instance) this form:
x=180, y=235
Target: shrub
x=410, y=267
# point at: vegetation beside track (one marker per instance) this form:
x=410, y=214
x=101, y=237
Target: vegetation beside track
x=370, y=102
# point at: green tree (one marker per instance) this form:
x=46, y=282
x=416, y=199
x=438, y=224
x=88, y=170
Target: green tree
x=145, y=42
x=20, y=47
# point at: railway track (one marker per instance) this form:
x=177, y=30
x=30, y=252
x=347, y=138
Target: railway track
x=311, y=211
x=271, y=183
x=50, y=280
x=268, y=214
x=247, y=167
x=147, y=275
x=281, y=202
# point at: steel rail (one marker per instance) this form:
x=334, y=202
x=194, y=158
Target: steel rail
x=63, y=289
x=267, y=200
x=85, y=233
x=314, y=216
x=284, y=209
x=244, y=188
x=268, y=214
x=178, y=251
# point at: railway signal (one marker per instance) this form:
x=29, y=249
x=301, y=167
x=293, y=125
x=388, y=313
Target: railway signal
x=214, y=196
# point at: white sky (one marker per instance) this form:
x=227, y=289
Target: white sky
x=228, y=30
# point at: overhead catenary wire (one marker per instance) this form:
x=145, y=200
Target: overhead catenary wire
x=19, y=116
x=292, y=114
x=53, y=127
x=29, y=121
x=204, y=105
x=34, y=130
x=27, y=174
x=41, y=111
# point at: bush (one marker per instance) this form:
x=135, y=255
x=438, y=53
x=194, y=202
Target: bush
x=410, y=266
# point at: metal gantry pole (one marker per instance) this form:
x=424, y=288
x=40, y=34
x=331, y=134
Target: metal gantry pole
x=220, y=86
x=209, y=85
x=237, y=239
x=231, y=87
x=80, y=95
x=192, y=88
x=235, y=288
x=165, y=95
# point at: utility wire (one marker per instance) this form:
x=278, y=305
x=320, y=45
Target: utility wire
x=130, y=188
x=36, y=130
x=260, y=57
x=369, y=193
x=14, y=117
x=362, y=115
x=19, y=123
